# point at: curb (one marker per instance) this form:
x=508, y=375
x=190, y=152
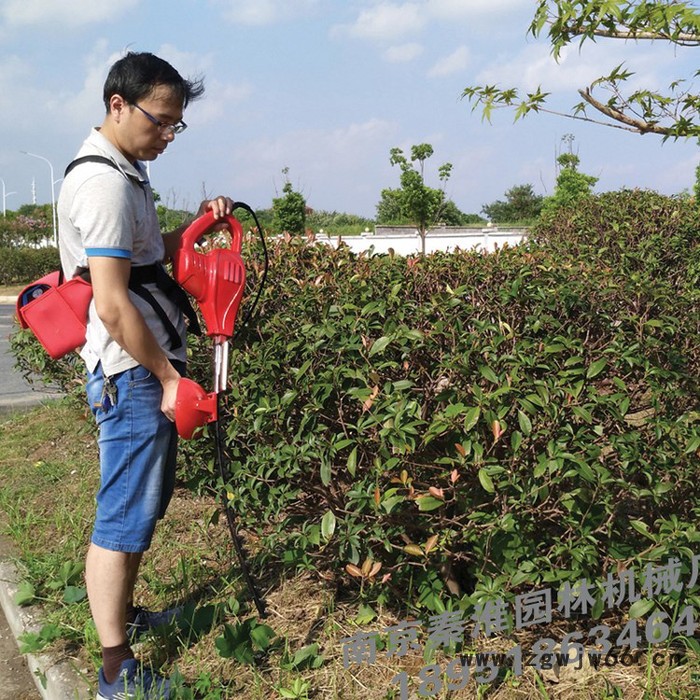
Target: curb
x=30, y=400
x=55, y=679
x=8, y=300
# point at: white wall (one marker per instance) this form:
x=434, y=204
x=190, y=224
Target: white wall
x=443, y=239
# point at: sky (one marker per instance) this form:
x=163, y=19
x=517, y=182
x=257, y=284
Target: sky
x=325, y=89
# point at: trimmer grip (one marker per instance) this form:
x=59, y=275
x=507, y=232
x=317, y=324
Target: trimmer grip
x=204, y=224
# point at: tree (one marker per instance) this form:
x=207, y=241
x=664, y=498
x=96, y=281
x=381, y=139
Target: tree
x=420, y=204
x=31, y=225
x=390, y=208
x=671, y=115
x=390, y=211
x=521, y=204
x=451, y=215
x=571, y=184
x=289, y=211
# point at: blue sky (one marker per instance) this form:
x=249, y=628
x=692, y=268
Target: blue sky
x=325, y=88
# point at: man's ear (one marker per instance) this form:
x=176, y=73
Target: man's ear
x=117, y=105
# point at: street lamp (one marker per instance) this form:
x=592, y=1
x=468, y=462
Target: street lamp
x=5, y=195
x=53, y=193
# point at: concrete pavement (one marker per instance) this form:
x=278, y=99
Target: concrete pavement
x=15, y=392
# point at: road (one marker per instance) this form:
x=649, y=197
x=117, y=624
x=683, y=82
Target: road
x=15, y=392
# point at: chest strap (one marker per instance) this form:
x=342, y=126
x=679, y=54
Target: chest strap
x=156, y=274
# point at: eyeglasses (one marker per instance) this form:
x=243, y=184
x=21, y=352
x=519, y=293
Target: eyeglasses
x=165, y=128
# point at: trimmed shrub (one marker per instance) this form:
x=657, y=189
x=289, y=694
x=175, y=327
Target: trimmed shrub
x=22, y=265
x=475, y=423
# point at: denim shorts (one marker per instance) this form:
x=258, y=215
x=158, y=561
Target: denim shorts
x=138, y=447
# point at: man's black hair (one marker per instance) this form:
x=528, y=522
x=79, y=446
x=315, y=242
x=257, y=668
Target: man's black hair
x=135, y=75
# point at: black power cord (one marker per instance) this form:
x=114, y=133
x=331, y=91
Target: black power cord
x=219, y=438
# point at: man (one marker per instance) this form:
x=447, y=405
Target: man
x=135, y=346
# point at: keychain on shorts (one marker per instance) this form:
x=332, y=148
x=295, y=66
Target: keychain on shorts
x=108, y=399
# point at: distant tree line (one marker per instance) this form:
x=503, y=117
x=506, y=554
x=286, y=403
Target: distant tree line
x=413, y=203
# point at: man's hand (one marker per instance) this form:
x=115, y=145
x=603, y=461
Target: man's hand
x=167, y=404
x=220, y=206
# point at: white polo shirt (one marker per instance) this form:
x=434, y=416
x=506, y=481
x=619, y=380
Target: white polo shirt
x=103, y=211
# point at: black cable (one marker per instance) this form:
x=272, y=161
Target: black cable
x=261, y=284
x=219, y=439
x=230, y=516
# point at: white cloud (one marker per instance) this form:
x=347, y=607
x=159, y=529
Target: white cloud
x=676, y=175
x=20, y=13
x=652, y=64
x=328, y=166
x=218, y=96
x=459, y=9
x=69, y=110
x=15, y=90
x=346, y=145
x=263, y=12
x=456, y=62
x=386, y=22
x=403, y=53
x=218, y=101
x=188, y=63
x=85, y=108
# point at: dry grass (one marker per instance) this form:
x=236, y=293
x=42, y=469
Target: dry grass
x=48, y=470
x=10, y=290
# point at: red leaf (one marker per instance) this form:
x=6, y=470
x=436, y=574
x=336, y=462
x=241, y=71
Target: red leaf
x=497, y=430
x=438, y=493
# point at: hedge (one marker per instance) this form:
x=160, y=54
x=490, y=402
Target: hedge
x=476, y=423
x=23, y=265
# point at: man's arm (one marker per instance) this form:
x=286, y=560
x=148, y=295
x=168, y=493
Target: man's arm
x=124, y=322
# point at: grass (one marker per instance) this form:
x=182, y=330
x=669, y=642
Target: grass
x=48, y=477
x=10, y=290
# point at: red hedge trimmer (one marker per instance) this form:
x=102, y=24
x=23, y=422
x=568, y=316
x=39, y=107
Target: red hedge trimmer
x=216, y=279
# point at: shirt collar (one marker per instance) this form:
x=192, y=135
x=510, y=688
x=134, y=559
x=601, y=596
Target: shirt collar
x=97, y=140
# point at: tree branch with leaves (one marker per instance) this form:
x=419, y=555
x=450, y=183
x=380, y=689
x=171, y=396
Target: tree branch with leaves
x=673, y=114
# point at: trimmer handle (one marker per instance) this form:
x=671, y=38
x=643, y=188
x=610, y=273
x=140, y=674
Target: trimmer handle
x=215, y=279
x=206, y=223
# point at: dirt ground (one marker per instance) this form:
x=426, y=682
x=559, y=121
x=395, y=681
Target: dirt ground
x=16, y=682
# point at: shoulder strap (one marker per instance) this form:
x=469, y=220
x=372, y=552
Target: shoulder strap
x=105, y=161
x=169, y=286
x=139, y=289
